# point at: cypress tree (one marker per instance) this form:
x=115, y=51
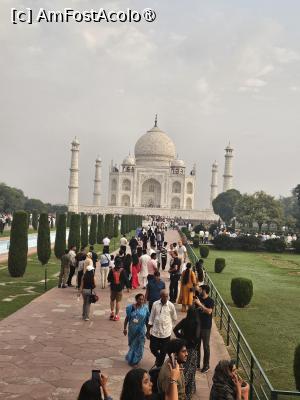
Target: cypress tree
x=116, y=226
x=74, y=232
x=108, y=225
x=100, y=229
x=84, y=230
x=69, y=213
x=35, y=219
x=123, y=225
x=43, y=243
x=18, y=248
x=60, y=236
x=93, y=230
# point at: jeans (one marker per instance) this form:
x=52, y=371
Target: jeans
x=174, y=287
x=163, y=263
x=204, y=338
x=103, y=275
x=86, y=303
x=71, y=273
x=158, y=347
x=79, y=277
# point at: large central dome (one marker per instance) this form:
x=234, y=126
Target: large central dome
x=154, y=146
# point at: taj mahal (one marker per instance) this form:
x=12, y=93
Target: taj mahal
x=152, y=182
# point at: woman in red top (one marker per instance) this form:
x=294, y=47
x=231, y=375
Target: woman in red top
x=135, y=269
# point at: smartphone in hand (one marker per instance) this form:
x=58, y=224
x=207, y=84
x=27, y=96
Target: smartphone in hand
x=96, y=375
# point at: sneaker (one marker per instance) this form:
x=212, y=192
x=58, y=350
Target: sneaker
x=204, y=369
x=112, y=316
x=86, y=319
x=64, y=286
x=116, y=318
x=71, y=285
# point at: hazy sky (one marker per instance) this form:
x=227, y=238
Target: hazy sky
x=214, y=71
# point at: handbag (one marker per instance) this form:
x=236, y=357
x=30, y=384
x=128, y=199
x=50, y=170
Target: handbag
x=93, y=297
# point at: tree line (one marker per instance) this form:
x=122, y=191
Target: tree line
x=13, y=199
x=79, y=235
x=259, y=208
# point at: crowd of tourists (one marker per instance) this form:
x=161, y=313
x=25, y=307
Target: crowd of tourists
x=5, y=221
x=137, y=266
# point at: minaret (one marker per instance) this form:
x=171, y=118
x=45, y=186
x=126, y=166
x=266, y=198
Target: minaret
x=97, y=183
x=74, y=177
x=214, y=182
x=227, y=183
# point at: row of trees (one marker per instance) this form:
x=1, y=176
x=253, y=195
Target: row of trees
x=259, y=208
x=79, y=235
x=13, y=199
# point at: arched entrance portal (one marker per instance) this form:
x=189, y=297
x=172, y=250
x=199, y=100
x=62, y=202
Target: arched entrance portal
x=151, y=193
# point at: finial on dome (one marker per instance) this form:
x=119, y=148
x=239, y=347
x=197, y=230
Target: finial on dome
x=155, y=122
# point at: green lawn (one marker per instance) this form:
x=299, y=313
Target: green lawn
x=271, y=322
x=23, y=290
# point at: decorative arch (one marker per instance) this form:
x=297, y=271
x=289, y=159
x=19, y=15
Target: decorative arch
x=189, y=188
x=125, y=201
x=114, y=184
x=176, y=187
x=175, y=203
x=188, y=204
x=126, y=185
x=113, y=200
x=151, y=193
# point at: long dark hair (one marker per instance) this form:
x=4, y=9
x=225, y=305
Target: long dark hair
x=135, y=259
x=88, y=279
x=133, y=385
x=90, y=390
x=199, y=270
x=127, y=261
x=186, y=275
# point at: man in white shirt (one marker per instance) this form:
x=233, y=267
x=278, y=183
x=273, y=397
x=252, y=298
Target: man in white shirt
x=106, y=243
x=144, y=259
x=206, y=236
x=163, y=316
x=201, y=236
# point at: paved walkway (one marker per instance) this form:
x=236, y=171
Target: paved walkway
x=47, y=351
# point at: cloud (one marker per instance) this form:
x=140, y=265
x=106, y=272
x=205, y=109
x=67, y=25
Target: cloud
x=252, y=85
x=202, y=85
x=285, y=56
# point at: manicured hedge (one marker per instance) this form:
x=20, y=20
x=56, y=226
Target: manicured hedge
x=204, y=251
x=275, y=245
x=297, y=367
x=220, y=264
x=241, y=291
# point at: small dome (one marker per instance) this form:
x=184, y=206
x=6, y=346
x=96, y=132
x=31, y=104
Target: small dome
x=98, y=159
x=155, y=145
x=129, y=160
x=75, y=142
x=178, y=163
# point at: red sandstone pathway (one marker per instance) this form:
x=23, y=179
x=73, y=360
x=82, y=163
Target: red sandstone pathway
x=47, y=351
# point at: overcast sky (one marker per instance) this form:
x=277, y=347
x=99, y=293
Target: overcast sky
x=214, y=71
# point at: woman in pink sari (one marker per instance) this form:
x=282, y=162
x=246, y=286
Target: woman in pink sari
x=135, y=269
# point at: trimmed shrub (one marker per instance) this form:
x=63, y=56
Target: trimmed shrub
x=69, y=213
x=297, y=367
x=100, y=229
x=74, y=232
x=275, y=245
x=60, y=236
x=184, y=239
x=241, y=291
x=18, y=248
x=223, y=242
x=43, y=240
x=204, y=251
x=196, y=241
x=35, y=219
x=219, y=265
x=93, y=230
x=108, y=225
x=296, y=245
x=247, y=243
x=116, y=226
x=84, y=237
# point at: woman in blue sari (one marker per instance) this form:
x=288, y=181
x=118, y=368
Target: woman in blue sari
x=137, y=316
